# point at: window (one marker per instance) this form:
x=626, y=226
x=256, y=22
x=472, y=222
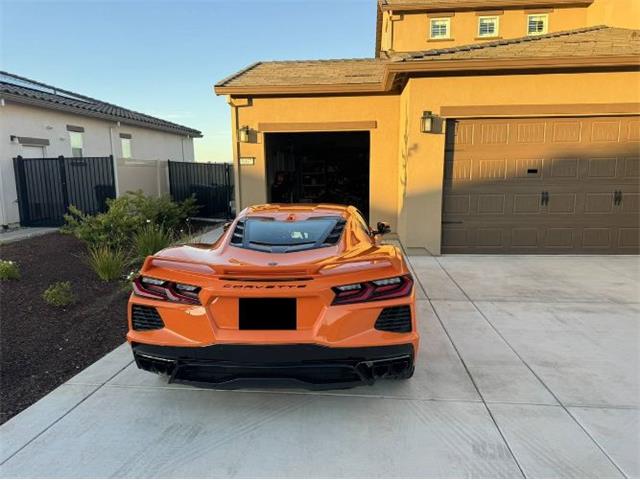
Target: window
x=75, y=138
x=125, y=142
x=537, y=24
x=270, y=235
x=488, y=26
x=440, y=28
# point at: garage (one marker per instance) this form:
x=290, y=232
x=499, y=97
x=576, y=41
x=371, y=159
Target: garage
x=542, y=185
x=318, y=167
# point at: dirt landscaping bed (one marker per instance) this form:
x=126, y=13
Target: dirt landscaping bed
x=43, y=346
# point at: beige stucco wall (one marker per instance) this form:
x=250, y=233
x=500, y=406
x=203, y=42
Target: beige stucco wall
x=615, y=13
x=421, y=206
x=101, y=138
x=410, y=30
x=251, y=186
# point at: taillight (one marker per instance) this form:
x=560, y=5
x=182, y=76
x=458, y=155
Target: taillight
x=164, y=290
x=382, y=289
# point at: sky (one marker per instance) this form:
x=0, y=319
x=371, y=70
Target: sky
x=163, y=57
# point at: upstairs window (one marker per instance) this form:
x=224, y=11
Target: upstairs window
x=440, y=28
x=125, y=142
x=75, y=139
x=537, y=24
x=488, y=27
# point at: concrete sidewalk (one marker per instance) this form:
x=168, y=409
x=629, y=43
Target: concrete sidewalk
x=528, y=367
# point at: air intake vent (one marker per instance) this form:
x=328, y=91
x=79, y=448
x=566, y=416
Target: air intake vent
x=395, y=319
x=336, y=232
x=237, y=238
x=145, y=318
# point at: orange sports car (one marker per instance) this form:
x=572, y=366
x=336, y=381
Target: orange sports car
x=290, y=295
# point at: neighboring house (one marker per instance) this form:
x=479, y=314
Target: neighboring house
x=39, y=120
x=493, y=126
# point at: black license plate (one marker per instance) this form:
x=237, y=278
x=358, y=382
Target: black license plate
x=267, y=313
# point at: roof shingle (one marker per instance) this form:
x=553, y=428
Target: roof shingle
x=371, y=74
x=24, y=89
x=587, y=42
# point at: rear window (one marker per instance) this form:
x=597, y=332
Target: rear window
x=267, y=234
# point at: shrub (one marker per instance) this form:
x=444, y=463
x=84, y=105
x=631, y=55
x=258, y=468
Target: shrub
x=151, y=239
x=107, y=262
x=9, y=270
x=59, y=294
x=127, y=215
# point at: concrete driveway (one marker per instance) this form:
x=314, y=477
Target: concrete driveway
x=529, y=366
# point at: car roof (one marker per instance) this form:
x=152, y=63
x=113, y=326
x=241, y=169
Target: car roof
x=302, y=210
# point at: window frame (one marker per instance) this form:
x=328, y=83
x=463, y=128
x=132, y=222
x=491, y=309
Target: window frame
x=78, y=135
x=125, y=139
x=496, y=32
x=545, y=30
x=447, y=21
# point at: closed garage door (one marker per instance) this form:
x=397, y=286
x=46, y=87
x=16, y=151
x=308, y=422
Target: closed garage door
x=543, y=185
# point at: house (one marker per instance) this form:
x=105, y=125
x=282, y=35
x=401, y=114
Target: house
x=493, y=126
x=40, y=120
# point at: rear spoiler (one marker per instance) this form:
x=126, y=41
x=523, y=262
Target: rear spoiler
x=336, y=266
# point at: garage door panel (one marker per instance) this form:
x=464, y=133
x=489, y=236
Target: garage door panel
x=629, y=238
x=598, y=203
x=566, y=132
x=543, y=186
x=597, y=238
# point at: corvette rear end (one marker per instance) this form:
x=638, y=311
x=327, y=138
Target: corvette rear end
x=289, y=296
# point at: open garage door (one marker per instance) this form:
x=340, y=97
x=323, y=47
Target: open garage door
x=542, y=185
x=318, y=167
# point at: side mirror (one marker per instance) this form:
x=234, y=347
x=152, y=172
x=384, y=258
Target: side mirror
x=226, y=226
x=383, y=227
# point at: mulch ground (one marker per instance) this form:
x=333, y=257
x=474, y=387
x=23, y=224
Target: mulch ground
x=42, y=346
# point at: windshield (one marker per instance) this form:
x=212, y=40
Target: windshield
x=282, y=236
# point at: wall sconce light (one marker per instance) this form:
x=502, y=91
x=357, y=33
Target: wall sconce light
x=427, y=122
x=243, y=134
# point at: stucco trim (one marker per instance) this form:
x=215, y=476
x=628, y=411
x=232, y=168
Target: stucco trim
x=456, y=5
x=316, y=126
x=585, y=109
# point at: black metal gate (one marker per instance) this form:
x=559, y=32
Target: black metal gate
x=210, y=183
x=47, y=186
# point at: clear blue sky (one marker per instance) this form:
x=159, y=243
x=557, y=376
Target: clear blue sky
x=163, y=57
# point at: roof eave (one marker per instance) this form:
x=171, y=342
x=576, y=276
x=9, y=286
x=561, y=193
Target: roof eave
x=516, y=63
x=300, y=89
x=440, y=66
x=455, y=5
x=88, y=113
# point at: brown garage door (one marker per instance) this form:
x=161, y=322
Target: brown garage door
x=543, y=185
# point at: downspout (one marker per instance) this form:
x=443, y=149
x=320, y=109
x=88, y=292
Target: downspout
x=115, y=160
x=3, y=212
x=235, y=123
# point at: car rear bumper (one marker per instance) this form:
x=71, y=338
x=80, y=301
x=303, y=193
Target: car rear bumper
x=308, y=366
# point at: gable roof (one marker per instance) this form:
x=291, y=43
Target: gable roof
x=593, y=48
x=24, y=90
x=332, y=75
x=456, y=5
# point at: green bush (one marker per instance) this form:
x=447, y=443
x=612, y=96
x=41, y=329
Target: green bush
x=59, y=294
x=107, y=262
x=126, y=216
x=151, y=239
x=9, y=270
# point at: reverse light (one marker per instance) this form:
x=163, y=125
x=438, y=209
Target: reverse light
x=383, y=289
x=157, y=289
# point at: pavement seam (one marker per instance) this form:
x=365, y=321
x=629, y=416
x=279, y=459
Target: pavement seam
x=526, y=364
x=48, y=427
x=471, y=379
